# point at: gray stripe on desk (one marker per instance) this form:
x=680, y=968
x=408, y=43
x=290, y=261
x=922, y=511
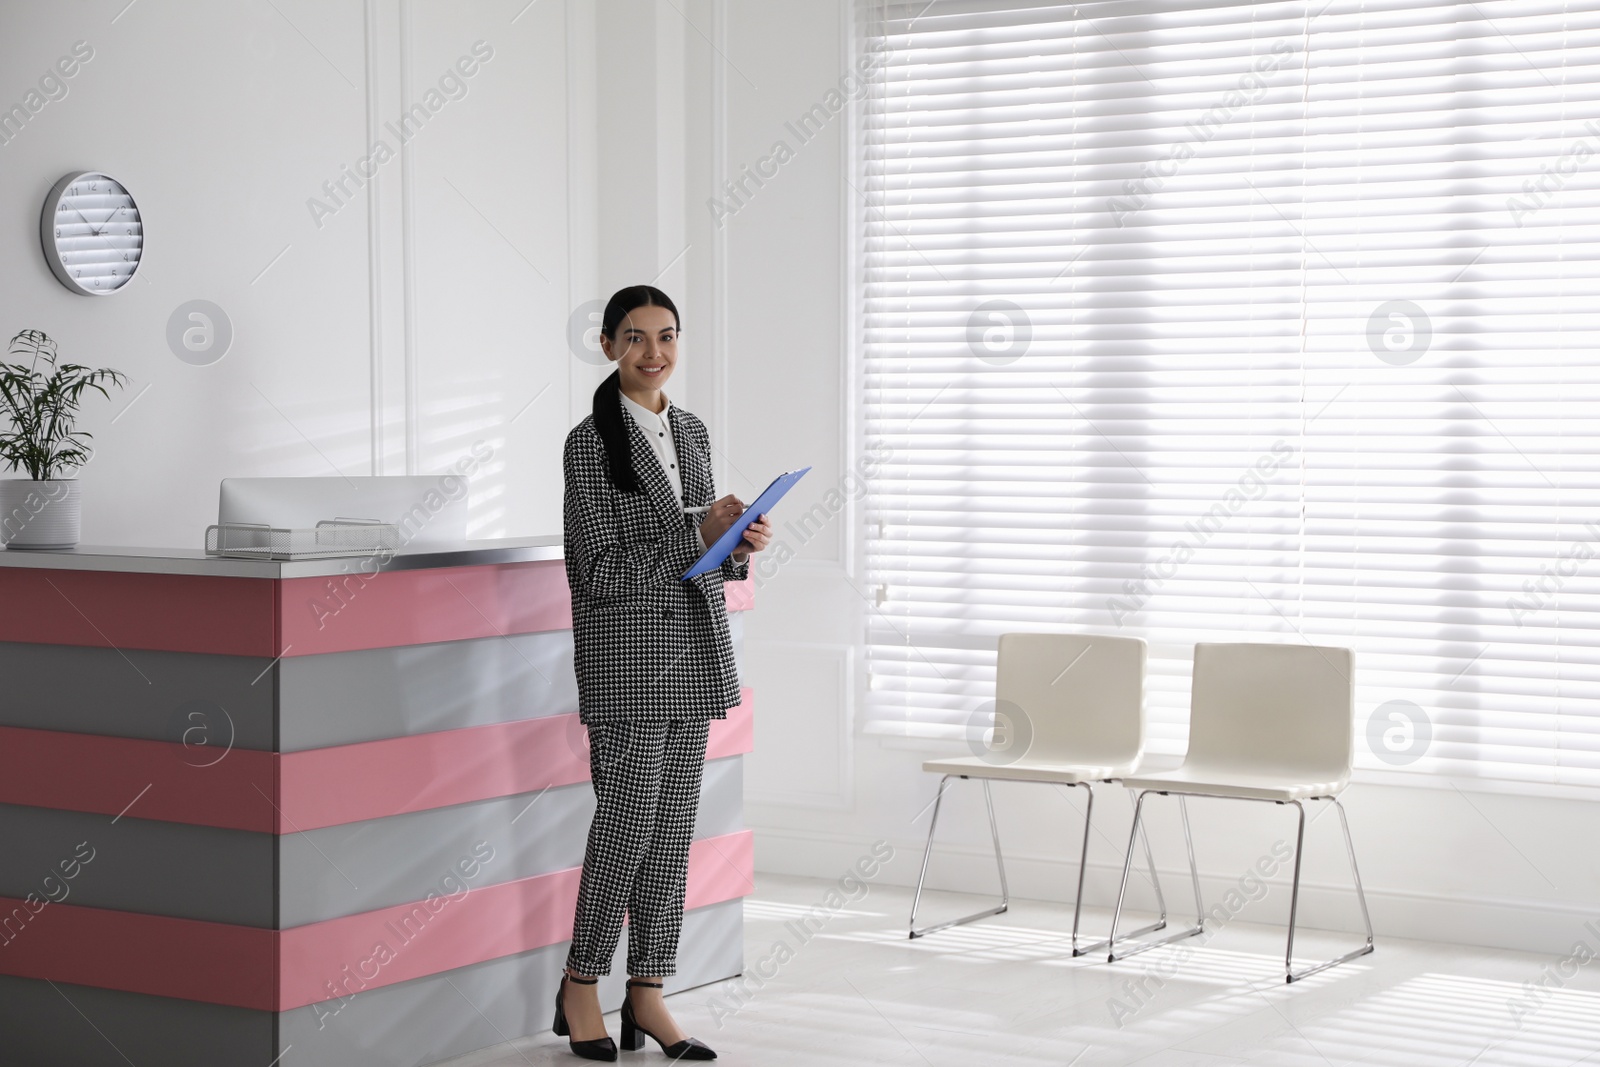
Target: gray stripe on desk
x=346, y=697
x=336, y=699
x=202, y=872
x=402, y=858
x=134, y=694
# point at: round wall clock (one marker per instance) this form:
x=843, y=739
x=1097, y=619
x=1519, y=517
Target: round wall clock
x=91, y=232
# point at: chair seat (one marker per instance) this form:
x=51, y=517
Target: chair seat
x=1025, y=770
x=1222, y=781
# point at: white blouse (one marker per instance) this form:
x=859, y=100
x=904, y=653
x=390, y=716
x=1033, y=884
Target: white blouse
x=658, y=431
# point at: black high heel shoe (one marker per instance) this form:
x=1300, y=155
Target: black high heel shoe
x=633, y=1034
x=601, y=1048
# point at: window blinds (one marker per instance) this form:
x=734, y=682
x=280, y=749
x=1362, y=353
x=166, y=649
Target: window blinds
x=1241, y=321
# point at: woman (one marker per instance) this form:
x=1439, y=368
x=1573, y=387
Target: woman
x=654, y=665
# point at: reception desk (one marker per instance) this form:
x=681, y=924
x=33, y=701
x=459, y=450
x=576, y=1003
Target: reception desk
x=310, y=813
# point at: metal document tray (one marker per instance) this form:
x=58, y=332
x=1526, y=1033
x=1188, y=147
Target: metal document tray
x=329, y=539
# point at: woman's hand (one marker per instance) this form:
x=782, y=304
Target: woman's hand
x=756, y=537
x=723, y=514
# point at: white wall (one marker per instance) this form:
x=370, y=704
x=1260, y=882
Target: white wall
x=422, y=314
x=429, y=311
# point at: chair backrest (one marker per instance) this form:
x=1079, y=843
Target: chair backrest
x=1273, y=707
x=1080, y=697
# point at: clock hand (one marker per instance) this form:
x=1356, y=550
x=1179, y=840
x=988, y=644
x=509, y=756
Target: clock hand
x=92, y=231
x=103, y=224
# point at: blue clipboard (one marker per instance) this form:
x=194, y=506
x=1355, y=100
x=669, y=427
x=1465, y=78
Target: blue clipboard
x=713, y=557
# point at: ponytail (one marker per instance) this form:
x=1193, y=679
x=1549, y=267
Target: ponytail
x=614, y=434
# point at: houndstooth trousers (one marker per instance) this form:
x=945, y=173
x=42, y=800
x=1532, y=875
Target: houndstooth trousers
x=646, y=777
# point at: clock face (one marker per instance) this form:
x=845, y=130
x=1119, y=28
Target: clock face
x=91, y=233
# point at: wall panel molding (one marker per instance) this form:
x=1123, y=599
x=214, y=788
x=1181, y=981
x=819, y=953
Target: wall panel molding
x=393, y=421
x=408, y=185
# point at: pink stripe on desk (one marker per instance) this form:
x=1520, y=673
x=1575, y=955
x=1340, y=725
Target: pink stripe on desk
x=720, y=868
x=357, y=611
x=296, y=616
x=166, y=612
x=247, y=789
x=372, y=779
x=144, y=779
x=736, y=734
x=214, y=963
x=739, y=596
x=221, y=963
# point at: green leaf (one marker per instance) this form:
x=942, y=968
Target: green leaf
x=41, y=398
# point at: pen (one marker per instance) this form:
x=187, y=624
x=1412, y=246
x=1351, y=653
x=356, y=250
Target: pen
x=696, y=511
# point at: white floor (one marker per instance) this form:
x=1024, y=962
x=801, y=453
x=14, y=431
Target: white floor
x=1006, y=991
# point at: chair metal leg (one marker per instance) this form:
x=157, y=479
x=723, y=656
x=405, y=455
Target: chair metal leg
x=1113, y=953
x=994, y=833
x=1083, y=866
x=1350, y=849
x=1290, y=974
x=1294, y=889
x=1188, y=843
x=933, y=823
x=1155, y=880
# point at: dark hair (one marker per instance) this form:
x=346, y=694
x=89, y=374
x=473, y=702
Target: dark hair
x=608, y=397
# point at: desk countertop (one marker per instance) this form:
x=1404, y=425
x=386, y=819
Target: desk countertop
x=195, y=561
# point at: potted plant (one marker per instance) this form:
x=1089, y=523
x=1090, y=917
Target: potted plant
x=41, y=399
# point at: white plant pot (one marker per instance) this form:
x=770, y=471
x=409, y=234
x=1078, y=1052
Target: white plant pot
x=40, y=514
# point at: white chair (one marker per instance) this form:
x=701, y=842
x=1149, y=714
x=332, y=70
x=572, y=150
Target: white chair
x=1268, y=723
x=1069, y=712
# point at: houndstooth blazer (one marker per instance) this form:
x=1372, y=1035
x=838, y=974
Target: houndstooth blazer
x=648, y=645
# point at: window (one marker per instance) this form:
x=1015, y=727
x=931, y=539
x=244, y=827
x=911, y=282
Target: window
x=1242, y=321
